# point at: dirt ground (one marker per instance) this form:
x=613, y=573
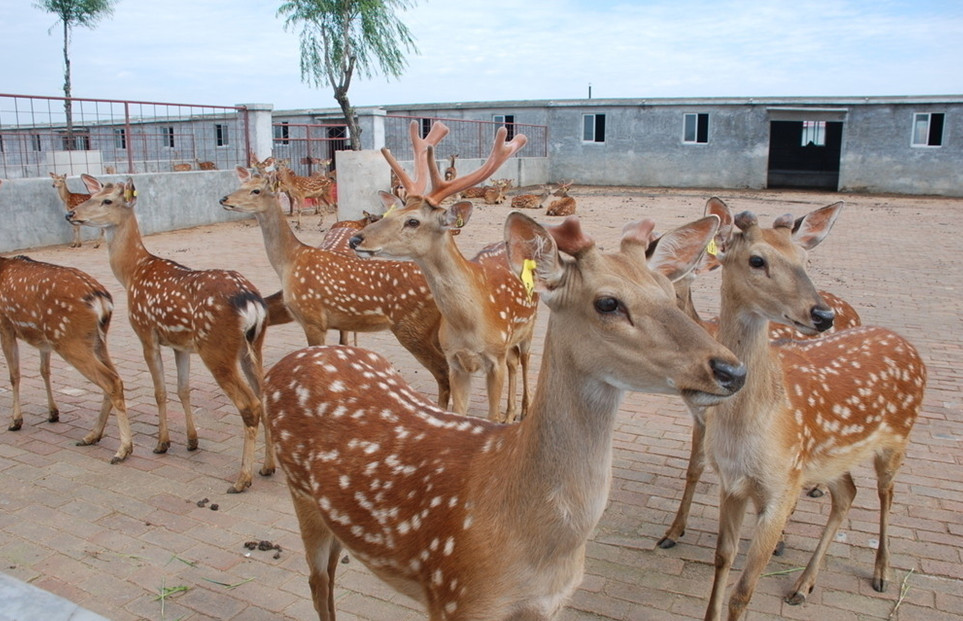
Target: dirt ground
x=136, y=541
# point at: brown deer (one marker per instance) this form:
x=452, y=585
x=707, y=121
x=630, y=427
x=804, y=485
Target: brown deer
x=216, y=313
x=564, y=205
x=64, y=310
x=845, y=317
x=181, y=167
x=531, y=201
x=488, y=317
x=474, y=519
x=808, y=412
x=323, y=290
x=205, y=165
x=301, y=188
x=451, y=172
x=261, y=166
x=71, y=200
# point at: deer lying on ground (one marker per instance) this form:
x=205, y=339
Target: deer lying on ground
x=181, y=167
x=531, y=201
x=478, y=520
x=564, y=205
x=64, y=310
x=301, y=188
x=845, y=317
x=325, y=290
x=71, y=200
x=205, y=165
x=488, y=317
x=808, y=412
x=216, y=313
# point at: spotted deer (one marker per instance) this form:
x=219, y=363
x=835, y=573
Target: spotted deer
x=474, y=519
x=323, y=290
x=451, y=172
x=531, y=201
x=845, y=317
x=61, y=309
x=301, y=188
x=487, y=315
x=71, y=200
x=217, y=314
x=563, y=205
x=808, y=412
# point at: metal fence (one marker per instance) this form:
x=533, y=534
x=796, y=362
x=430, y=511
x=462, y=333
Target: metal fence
x=309, y=148
x=101, y=136
x=467, y=139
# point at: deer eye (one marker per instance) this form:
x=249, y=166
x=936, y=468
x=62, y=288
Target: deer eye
x=107, y=201
x=607, y=305
x=412, y=223
x=255, y=191
x=757, y=261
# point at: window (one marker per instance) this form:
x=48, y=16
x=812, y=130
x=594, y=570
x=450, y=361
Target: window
x=35, y=141
x=425, y=127
x=928, y=129
x=593, y=128
x=696, y=128
x=168, y=134
x=813, y=134
x=120, y=138
x=80, y=141
x=220, y=134
x=1, y=144
x=508, y=120
x=281, y=132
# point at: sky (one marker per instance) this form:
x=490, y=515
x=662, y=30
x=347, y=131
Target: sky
x=227, y=52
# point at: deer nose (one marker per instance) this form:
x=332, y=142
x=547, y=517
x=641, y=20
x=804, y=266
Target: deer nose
x=355, y=241
x=70, y=216
x=223, y=200
x=822, y=317
x=730, y=376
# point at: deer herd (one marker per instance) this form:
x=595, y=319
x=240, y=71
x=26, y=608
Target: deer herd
x=489, y=517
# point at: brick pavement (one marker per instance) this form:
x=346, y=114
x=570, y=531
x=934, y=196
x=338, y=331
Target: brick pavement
x=130, y=542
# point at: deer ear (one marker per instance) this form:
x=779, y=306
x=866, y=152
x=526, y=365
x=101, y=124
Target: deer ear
x=717, y=207
x=458, y=215
x=130, y=193
x=243, y=174
x=284, y=201
x=389, y=201
x=93, y=186
x=680, y=251
x=813, y=228
x=532, y=254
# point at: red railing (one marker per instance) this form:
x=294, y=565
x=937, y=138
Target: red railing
x=467, y=138
x=103, y=136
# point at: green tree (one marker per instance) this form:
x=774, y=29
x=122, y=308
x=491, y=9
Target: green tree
x=72, y=13
x=342, y=37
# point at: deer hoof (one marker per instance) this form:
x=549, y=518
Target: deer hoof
x=54, y=416
x=162, y=447
x=238, y=488
x=666, y=542
x=15, y=425
x=266, y=472
x=192, y=444
x=815, y=492
x=780, y=549
x=795, y=599
x=879, y=585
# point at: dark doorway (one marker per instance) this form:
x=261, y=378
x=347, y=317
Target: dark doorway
x=804, y=154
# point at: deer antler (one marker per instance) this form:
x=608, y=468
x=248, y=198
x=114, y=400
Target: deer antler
x=421, y=146
x=501, y=151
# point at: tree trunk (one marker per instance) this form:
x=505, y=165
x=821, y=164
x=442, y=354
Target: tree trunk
x=68, y=112
x=350, y=118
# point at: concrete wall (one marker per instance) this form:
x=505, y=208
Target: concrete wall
x=34, y=215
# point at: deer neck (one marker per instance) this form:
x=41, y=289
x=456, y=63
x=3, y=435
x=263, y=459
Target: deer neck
x=280, y=242
x=125, y=248
x=456, y=283
x=566, y=441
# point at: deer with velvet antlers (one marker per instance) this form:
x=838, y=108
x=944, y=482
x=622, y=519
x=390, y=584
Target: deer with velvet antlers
x=218, y=314
x=808, y=412
x=479, y=520
x=488, y=316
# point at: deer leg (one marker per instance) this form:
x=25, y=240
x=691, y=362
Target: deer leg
x=254, y=372
x=887, y=464
x=511, y=370
x=53, y=412
x=95, y=365
x=11, y=352
x=842, y=492
x=155, y=364
x=100, y=238
x=732, y=510
x=772, y=516
x=322, y=551
x=495, y=380
x=183, y=361
x=459, y=379
x=76, y=243
x=697, y=465
x=525, y=355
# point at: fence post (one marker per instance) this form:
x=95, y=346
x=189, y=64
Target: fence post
x=372, y=123
x=260, y=134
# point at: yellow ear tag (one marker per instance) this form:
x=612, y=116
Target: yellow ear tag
x=528, y=277
x=460, y=222
x=712, y=249
x=390, y=209
x=129, y=194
